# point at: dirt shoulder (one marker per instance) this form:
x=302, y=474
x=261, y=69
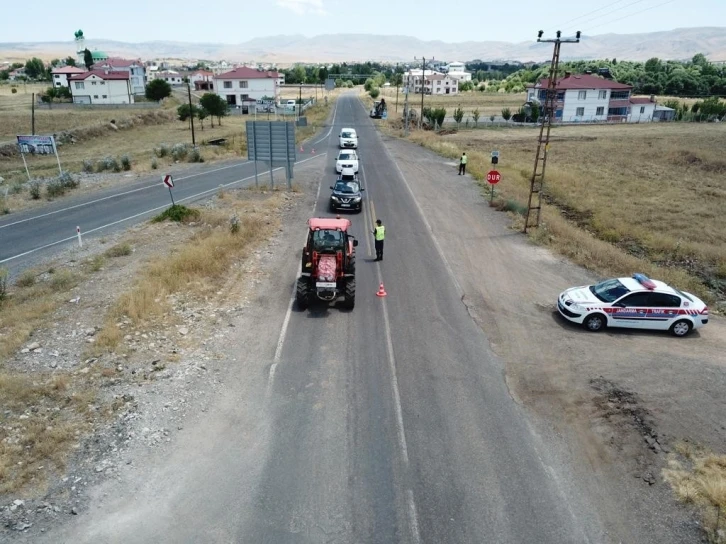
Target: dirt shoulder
x=620, y=400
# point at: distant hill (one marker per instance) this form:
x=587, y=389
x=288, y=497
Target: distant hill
x=678, y=44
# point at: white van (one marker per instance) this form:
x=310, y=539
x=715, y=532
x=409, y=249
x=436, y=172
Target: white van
x=348, y=139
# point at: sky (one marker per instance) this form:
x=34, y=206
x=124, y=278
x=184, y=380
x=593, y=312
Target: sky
x=235, y=21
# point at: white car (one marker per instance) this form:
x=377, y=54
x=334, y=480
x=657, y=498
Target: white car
x=346, y=159
x=633, y=303
x=348, y=139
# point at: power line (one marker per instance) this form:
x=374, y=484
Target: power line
x=630, y=15
x=581, y=16
x=591, y=19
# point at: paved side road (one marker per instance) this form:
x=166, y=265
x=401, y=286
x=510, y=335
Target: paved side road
x=27, y=237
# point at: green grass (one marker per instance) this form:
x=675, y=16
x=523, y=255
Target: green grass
x=178, y=213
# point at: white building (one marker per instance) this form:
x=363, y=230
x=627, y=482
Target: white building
x=61, y=75
x=586, y=97
x=171, y=77
x=101, y=87
x=433, y=82
x=135, y=69
x=203, y=80
x=243, y=87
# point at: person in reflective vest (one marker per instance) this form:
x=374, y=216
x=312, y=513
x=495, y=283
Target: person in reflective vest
x=462, y=164
x=379, y=232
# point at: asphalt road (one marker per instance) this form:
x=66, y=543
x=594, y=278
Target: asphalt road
x=28, y=236
x=393, y=422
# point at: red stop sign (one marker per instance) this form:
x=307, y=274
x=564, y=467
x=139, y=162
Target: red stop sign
x=493, y=177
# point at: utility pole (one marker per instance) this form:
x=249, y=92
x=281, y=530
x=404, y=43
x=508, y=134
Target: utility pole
x=299, y=103
x=406, y=111
x=543, y=143
x=32, y=115
x=191, y=110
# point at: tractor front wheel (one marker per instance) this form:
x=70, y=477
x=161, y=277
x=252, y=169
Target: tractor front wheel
x=350, y=293
x=302, y=293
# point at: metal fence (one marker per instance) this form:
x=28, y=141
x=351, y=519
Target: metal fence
x=78, y=106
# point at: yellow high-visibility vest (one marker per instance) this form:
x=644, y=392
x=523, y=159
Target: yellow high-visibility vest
x=464, y=159
x=380, y=233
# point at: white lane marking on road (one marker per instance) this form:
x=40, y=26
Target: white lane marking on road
x=147, y=212
x=288, y=314
x=389, y=344
x=116, y=195
x=412, y=517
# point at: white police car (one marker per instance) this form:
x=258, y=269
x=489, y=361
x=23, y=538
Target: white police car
x=634, y=303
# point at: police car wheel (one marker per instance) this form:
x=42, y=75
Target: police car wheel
x=681, y=328
x=594, y=322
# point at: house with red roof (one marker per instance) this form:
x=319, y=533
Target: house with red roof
x=203, y=80
x=243, y=87
x=61, y=75
x=101, y=87
x=589, y=98
x=135, y=68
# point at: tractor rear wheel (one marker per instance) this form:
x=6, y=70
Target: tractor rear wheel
x=351, y=265
x=350, y=293
x=302, y=293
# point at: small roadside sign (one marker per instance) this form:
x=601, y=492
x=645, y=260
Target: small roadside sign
x=169, y=183
x=495, y=154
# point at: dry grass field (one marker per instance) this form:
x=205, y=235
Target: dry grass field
x=487, y=103
x=618, y=198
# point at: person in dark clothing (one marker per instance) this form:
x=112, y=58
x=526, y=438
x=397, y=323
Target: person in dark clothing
x=379, y=233
x=462, y=164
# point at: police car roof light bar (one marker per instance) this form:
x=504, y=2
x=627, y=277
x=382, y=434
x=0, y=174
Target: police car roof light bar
x=644, y=280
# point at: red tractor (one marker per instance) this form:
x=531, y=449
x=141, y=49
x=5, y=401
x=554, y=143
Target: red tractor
x=328, y=264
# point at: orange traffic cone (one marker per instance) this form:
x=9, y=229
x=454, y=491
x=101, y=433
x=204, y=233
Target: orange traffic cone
x=381, y=291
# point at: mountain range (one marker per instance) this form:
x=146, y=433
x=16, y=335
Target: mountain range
x=678, y=44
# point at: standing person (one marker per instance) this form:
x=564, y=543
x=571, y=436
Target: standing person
x=379, y=232
x=462, y=164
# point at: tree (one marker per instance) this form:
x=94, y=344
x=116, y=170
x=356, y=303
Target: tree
x=184, y=112
x=70, y=61
x=87, y=58
x=34, y=68
x=49, y=94
x=534, y=112
x=397, y=79
x=506, y=113
x=374, y=92
x=63, y=92
x=368, y=85
x=157, y=89
x=458, y=115
x=202, y=114
x=215, y=105
x=475, y=115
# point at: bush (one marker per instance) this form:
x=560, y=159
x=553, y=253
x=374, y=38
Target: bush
x=375, y=92
x=514, y=206
x=368, y=85
x=178, y=213
x=16, y=188
x=154, y=163
x=179, y=151
x=14, y=90
x=120, y=250
x=35, y=189
x=26, y=279
x=68, y=181
x=126, y=163
x=88, y=166
x=161, y=151
x=55, y=188
x=109, y=163
x=195, y=155
x=506, y=113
